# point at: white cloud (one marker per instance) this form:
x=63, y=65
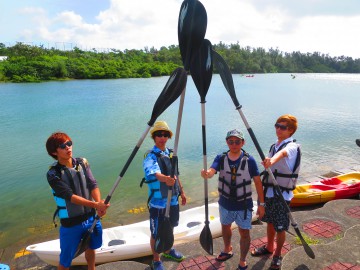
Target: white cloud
x=135, y=24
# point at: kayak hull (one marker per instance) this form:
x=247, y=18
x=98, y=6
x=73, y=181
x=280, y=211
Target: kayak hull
x=133, y=240
x=339, y=187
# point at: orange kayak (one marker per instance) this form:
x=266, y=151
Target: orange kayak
x=339, y=187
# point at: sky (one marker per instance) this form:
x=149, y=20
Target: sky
x=330, y=27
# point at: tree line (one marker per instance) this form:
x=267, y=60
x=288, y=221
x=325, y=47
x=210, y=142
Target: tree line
x=27, y=63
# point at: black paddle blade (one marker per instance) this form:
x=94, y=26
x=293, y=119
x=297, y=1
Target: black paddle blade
x=84, y=244
x=226, y=76
x=358, y=142
x=206, y=240
x=192, y=25
x=201, y=68
x=165, y=236
x=172, y=90
x=307, y=248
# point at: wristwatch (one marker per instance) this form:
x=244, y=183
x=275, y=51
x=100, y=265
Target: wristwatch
x=262, y=204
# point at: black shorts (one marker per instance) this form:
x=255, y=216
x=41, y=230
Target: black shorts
x=277, y=214
x=157, y=215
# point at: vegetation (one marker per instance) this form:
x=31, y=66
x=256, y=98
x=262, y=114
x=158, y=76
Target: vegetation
x=26, y=63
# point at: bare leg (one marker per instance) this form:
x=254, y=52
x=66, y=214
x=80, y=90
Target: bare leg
x=270, y=237
x=280, y=240
x=226, y=234
x=90, y=258
x=244, y=245
x=60, y=267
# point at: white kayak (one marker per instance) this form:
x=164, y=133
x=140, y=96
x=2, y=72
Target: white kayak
x=132, y=241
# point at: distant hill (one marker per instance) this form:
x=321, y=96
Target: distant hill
x=26, y=63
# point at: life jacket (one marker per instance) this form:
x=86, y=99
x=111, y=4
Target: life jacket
x=71, y=214
x=285, y=177
x=235, y=184
x=157, y=189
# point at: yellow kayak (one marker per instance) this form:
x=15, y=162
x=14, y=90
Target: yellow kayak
x=339, y=187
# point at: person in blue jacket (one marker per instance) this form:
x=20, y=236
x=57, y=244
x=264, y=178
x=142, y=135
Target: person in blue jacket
x=157, y=168
x=77, y=196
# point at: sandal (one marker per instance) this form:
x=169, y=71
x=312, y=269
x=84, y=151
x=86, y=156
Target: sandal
x=242, y=267
x=260, y=251
x=276, y=263
x=224, y=256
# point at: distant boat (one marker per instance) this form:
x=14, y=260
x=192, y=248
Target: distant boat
x=293, y=76
x=250, y=76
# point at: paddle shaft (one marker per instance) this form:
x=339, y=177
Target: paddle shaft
x=176, y=143
x=203, y=128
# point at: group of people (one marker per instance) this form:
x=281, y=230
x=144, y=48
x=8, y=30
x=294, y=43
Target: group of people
x=78, y=197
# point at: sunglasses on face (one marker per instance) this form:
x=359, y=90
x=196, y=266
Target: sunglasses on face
x=282, y=127
x=63, y=145
x=162, y=134
x=231, y=142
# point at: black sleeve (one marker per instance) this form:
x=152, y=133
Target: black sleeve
x=61, y=189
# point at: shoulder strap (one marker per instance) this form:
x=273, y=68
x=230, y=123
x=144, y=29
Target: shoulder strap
x=222, y=158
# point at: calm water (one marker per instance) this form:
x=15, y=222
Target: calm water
x=105, y=119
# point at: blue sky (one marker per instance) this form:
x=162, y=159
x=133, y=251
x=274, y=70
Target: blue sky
x=325, y=26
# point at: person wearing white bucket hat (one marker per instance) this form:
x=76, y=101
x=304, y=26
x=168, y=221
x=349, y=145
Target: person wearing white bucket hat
x=157, y=168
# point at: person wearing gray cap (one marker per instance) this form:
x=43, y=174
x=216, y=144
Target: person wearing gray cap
x=236, y=169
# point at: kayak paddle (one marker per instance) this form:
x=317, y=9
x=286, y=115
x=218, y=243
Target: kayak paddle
x=165, y=235
x=226, y=77
x=201, y=69
x=192, y=25
x=357, y=142
x=172, y=90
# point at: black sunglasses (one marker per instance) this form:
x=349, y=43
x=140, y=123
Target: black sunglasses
x=162, y=134
x=63, y=145
x=231, y=142
x=282, y=127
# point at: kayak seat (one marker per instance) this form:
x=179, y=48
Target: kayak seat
x=116, y=242
x=193, y=224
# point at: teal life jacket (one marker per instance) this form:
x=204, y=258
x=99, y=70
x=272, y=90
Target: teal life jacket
x=157, y=189
x=71, y=214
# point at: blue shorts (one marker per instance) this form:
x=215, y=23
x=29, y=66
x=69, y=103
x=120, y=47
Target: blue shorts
x=157, y=215
x=227, y=217
x=70, y=238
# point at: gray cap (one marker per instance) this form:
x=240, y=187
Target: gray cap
x=235, y=133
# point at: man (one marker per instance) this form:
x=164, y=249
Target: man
x=157, y=167
x=236, y=168
x=284, y=162
x=77, y=197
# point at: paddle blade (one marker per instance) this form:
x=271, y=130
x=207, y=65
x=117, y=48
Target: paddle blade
x=84, y=244
x=358, y=142
x=226, y=76
x=206, y=240
x=172, y=90
x=192, y=25
x=307, y=248
x=165, y=237
x=201, y=68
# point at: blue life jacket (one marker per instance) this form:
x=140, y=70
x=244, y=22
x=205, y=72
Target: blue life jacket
x=157, y=189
